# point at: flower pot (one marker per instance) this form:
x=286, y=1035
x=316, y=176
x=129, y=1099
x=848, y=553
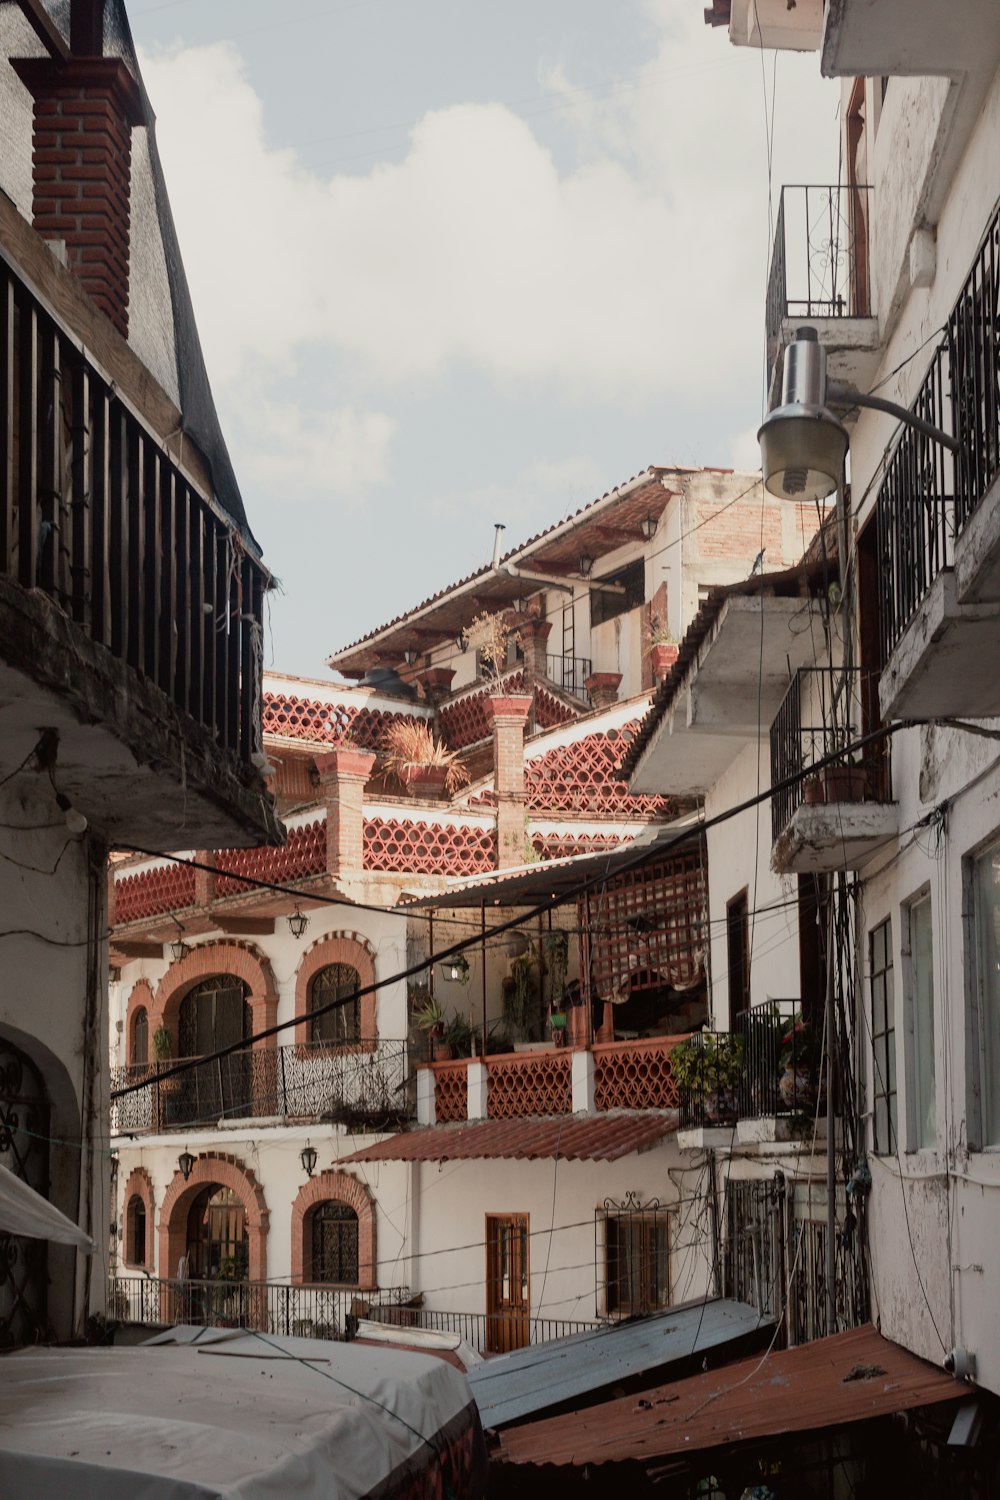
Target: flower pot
x=441, y=1051
x=813, y=791
x=798, y=1089
x=423, y=780
x=662, y=658
x=844, y=783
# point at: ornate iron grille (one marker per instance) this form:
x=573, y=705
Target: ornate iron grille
x=360, y=1083
x=632, y=1248
x=335, y=1244
x=24, y=1150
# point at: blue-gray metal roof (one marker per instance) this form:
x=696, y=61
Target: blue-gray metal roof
x=528, y=1382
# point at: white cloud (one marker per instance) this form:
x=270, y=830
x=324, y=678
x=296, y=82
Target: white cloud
x=290, y=452
x=540, y=494
x=638, y=273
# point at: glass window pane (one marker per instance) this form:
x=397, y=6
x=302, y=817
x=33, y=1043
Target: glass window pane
x=922, y=1000
x=988, y=931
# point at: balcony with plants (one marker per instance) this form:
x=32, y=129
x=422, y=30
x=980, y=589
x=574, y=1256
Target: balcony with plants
x=833, y=817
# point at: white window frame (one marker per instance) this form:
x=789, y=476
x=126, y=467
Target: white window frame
x=914, y=1040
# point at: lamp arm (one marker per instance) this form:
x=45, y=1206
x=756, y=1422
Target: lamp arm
x=839, y=393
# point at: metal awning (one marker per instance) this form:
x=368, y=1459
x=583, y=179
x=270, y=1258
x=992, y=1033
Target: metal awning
x=851, y=1377
x=603, y=1137
x=580, y=1369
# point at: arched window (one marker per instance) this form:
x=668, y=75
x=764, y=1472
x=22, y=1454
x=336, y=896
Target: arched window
x=335, y=982
x=213, y=1015
x=140, y=1038
x=135, y=1231
x=334, y=1233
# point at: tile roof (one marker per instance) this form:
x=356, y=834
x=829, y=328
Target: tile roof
x=850, y=1377
x=605, y=1137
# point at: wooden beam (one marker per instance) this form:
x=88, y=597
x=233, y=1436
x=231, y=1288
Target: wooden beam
x=136, y=948
x=250, y=926
x=86, y=28
x=45, y=28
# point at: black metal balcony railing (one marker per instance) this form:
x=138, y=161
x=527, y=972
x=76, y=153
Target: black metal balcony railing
x=928, y=495
x=570, y=673
x=845, y=705
x=363, y=1083
x=309, y=1311
x=94, y=513
x=915, y=509
x=768, y=1065
x=819, y=264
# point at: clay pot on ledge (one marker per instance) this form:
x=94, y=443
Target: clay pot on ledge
x=424, y=780
x=662, y=657
x=845, y=783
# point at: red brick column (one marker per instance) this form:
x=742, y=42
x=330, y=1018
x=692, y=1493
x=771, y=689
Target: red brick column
x=510, y=714
x=82, y=164
x=436, y=683
x=342, y=777
x=534, y=642
x=603, y=688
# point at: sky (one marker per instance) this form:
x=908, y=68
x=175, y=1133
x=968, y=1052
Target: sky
x=458, y=262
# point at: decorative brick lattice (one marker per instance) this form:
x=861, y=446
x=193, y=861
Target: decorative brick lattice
x=428, y=848
x=649, y=928
x=451, y=1092
x=561, y=845
x=582, y=777
x=533, y=1083
x=149, y=892
x=304, y=854
x=468, y=720
x=635, y=1075
x=329, y=723
x=550, y=711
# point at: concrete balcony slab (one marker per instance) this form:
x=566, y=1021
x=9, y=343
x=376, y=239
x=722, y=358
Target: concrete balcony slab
x=834, y=836
x=977, y=552
x=945, y=663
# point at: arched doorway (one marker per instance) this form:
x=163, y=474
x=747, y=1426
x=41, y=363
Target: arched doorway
x=24, y=1132
x=218, y=1244
x=214, y=1014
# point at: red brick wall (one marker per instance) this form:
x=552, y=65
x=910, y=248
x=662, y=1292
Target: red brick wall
x=82, y=162
x=336, y=1187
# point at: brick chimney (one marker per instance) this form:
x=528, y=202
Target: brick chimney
x=85, y=111
x=510, y=714
x=342, y=777
x=534, y=640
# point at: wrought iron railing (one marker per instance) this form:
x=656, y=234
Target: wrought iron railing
x=363, y=1083
x=570, y=673
x=768, y=1065
x=310, y=1311
x=819, y=264
x=95, y=514
x=842, y=705
x=915, y=510
x=928, y=495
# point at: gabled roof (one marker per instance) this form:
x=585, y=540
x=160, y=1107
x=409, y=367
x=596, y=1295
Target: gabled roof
x=600, y=527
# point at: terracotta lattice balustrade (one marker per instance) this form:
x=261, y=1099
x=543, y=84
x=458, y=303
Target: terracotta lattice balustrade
x=147, y=893
x=550, y=711
x=428, y=848
x=635, y=1075
x=329, y=723
x=451, y=1092
x=529, y=1083
x=304, y=854
x=582, y=777
x=561, y=845
x=467, y=720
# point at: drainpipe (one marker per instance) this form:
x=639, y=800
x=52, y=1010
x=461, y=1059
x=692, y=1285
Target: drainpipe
x=831, y=1153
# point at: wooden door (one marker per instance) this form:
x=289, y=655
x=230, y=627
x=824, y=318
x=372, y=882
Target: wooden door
x=508, y=1282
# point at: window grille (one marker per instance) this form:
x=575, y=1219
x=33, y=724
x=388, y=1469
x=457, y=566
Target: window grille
x=334, y=1230
x=336, y=982
x=635, y=1267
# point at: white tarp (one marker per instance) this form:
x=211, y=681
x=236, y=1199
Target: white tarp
x=236, y=1415
x=23, y=1211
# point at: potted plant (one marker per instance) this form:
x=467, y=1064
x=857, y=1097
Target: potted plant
x=845, y=782
x=708, y=1067
x=491, y=636
x=163, y=1044
x=430, y=1019
x=813, y=791
x=423, y=764
x=799, y=1064
x=557, y=1021
x=461, y=1037
x=663, y=649
x=520, y=994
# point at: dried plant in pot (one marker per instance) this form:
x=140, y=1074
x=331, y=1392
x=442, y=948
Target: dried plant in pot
x=492, y=637
x=421, y=762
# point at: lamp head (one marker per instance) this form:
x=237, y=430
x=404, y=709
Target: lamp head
x=803, y=446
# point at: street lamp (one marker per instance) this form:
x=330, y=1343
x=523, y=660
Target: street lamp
x=586, y=565
x=648, y=527
x=297, y=923
x=308, y=1158
x=186, y=1163
x=803, y=445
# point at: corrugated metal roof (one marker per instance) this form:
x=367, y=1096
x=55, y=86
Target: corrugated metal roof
x=604, y=1137
x=531, y=1381
x=850, y=1377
